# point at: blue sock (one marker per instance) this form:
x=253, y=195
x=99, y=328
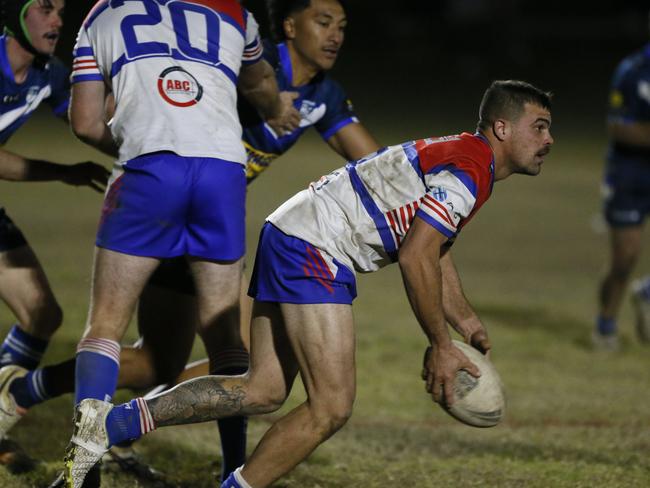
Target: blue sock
x=124, y=422
x=606, y=326
x=98, y=364
x=22, y=349
x=29, y=390
x=232, y=432
x=235, y=480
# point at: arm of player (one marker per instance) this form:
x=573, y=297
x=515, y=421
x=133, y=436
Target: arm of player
x=14, y=167
x=257, y=83
x=458, y=311
x=633, y=133
x=88, y=116
x=419, y=261
x=353, y=142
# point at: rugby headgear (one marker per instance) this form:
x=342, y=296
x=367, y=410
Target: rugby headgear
x=13, y=13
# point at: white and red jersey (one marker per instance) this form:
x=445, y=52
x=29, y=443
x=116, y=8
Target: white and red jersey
x=360, y=213
x=173, y=69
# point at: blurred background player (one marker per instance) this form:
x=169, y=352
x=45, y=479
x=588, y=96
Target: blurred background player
x=30, y=75
x=175, y=133
x=405, y=203
x=309, y=36
x=627, y=196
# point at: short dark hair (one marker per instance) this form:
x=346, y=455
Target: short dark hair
x=279, y=10
x=506, y=99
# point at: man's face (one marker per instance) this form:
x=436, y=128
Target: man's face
x=317, y=32
x=44, y=19
x=530, y=140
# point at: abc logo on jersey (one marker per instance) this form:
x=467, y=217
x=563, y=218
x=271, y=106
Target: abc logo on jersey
x=179, y=88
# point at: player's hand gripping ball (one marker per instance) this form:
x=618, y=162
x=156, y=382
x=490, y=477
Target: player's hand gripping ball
x=479, y=402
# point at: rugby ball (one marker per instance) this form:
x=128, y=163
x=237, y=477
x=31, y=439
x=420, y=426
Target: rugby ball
x=479, y=402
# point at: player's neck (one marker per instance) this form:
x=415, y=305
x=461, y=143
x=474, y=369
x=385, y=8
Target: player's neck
x=501, y=165
x=20, y=59
x=302, y=71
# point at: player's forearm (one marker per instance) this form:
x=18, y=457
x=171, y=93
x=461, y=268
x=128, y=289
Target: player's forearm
x=261, y=90
x=98, y=135
x=14, y=167
x=422, y=280
x=633, y=134
x=454, y=302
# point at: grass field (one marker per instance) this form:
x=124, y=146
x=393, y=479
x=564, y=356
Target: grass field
x=530, y=262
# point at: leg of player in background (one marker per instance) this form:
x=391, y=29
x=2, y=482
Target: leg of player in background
x=25, y=289
x=625, y=248
x=219, y=328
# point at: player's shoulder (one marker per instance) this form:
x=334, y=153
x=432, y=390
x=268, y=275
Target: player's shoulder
x=635, y=64
x=271, y=53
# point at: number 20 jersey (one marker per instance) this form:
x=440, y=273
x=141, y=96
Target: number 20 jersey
x=173, y=68
x=359, y=214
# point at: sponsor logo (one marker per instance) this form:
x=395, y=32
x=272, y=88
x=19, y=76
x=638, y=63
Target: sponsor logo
x=32, y=93
x=179, y=88
x=439, y=193
x=310, y=113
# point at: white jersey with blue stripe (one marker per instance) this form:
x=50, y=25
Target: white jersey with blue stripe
x=173, y=68
x=360, y=213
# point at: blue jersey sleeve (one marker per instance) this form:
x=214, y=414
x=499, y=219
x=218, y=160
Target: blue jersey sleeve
x=629, y=99
x=339, y=111
x=59, y=80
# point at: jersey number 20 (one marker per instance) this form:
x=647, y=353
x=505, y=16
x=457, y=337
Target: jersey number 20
x=177, y=11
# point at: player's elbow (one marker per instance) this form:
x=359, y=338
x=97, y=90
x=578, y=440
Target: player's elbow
x=85, y=129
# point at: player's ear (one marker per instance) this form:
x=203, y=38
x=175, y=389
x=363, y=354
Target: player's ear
x=289, y=26
x=500, y=129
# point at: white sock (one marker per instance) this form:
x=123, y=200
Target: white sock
x=240, y=479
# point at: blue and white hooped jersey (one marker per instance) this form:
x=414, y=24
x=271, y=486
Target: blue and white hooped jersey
x=18, y=102
x=360, y=213
x=629, y=101
x=322, y=103
x=173, y=68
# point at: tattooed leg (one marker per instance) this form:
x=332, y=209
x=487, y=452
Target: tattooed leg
x=322, y=337
x=263, y=389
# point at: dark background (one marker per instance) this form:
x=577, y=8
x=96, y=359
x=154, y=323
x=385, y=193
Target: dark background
x=420, y=59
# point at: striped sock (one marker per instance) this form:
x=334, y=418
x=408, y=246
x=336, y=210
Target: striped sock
x=98, y=364
x=129, y=421
x=22, y=348
x=29, y=390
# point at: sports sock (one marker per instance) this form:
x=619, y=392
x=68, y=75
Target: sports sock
x=129, y=421
x=235, y=480
x=44, y=383
x=22, y=349
x=98, y=364
x=606, y=326
x=232, y=430
x=643, y=288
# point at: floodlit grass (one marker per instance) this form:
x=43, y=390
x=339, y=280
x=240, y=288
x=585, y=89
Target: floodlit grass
x=530, y=262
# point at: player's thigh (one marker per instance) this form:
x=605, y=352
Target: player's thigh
x=118, y=280
x=323, y=341
x=273, y=365
x=23, y=284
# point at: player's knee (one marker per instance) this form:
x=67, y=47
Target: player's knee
x=330, y=416
x=45, y=317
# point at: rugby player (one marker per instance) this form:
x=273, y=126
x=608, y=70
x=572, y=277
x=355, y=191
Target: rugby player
x=404, y=203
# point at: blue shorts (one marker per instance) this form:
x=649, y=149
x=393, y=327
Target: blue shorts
x=290, y=270
x=165, y=205
x=10, y=235
x=627, y=187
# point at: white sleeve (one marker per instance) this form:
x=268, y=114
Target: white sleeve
x=446, y=203
x=253, y=49
x=84, y=65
